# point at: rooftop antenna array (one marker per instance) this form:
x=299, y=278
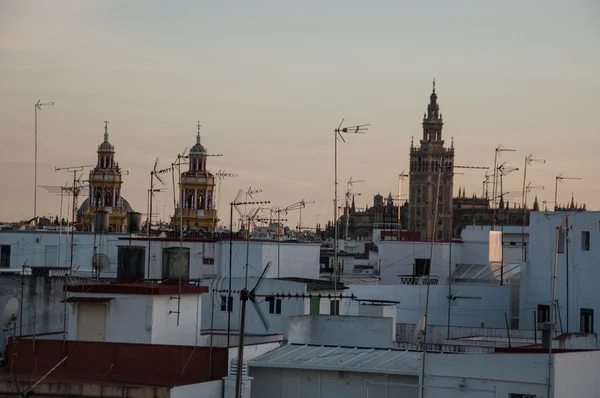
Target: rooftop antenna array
x=236, y=203
x=153, y=174
x=339, y=135
x=252, y=295
x=220, y=176
x=304, y=203
x=560, y=178
x=294, y=206
x=349, y=194
x=75, y=190
x=498, y=152
x=58, y=190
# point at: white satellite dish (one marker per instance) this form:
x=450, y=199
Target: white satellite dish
x=11, y=311
x=100, y=262
x=419, y=330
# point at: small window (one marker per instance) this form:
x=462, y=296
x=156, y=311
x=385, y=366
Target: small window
x=208, y=261
x=561, y=243
x=585, y=241
x=422, y=267
x=334, y=307
x=225, y=302
x=521, y=396
x=275, y=306
x=586, y=320
x=5, y=256
x=543, y=314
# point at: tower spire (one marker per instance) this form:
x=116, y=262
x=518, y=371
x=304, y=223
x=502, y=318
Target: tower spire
x=434, y=84
x=198, y=136
x=106, y=131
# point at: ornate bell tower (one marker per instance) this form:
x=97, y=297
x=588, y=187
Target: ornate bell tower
x=105, y=191
x=426, y=163
x=196, y=193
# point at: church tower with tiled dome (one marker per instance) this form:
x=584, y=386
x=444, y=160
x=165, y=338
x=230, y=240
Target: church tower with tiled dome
x=105, y=183
x=196, y=208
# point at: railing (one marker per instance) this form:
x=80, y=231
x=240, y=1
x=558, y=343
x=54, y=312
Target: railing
x=109, y=209
x=196, y=213
x=418, y=280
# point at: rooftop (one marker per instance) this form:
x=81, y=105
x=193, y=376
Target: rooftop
x=315, y=285
x=338, y=358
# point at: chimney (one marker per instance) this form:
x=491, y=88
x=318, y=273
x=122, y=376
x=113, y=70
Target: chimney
x=131, y=261
x=546, y=329
x=175, y=264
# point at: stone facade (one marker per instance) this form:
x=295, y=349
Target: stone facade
x=431, y=164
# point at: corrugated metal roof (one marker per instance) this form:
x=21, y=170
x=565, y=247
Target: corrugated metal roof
x=354, y=359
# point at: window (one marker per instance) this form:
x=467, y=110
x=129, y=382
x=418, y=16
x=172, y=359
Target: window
x=521, y=396
x=208, y=261
x=585, y=241
x=275, y=306
x=543, y=314
x=561, y=243
x=4, y=256
x=422, y=267
x=226, y=305
x=586, y=320
x=334, y=307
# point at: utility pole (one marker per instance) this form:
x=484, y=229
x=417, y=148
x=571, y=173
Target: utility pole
x=38, y=106
x=338, y=135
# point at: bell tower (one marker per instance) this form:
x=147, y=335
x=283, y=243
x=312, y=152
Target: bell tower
x=105, y=182
x=196, y=192
x=426, y=163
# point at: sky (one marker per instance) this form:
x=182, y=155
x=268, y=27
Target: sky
x=270, y=80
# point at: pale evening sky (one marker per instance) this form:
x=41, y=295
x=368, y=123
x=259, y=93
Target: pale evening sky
x=269, y=80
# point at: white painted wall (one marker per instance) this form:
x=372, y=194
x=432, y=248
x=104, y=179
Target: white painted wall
x=31, y=247
x=300, y=383
x=145, y=319
x=277, y=322
x=398, y=257
x=464, y=312
x=209, y=389
x=486, y=375
x=584, y=277
x=164, y=319
x=298, y=259
x=577, y=374
x=364, y=331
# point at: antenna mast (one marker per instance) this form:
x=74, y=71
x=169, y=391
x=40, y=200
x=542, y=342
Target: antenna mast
x=349, y=193
x=560, y=177
x=338, y=135
x=497, y=153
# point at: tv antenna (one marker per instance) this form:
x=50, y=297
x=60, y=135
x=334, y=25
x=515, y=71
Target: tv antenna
x=498, y=152
x=75, y=190
x=349, y=194
x=220, y=176
x=560, y=178
x=294, y=206
x=235, y=204
x=339, y=135
x=304, y=203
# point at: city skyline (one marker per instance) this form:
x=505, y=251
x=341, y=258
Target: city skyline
x=269, y=102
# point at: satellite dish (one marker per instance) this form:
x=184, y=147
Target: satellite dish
x=100, y=262
x=419, y=330
x=11, y=311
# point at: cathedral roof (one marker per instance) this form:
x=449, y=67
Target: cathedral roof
x=86, y=204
